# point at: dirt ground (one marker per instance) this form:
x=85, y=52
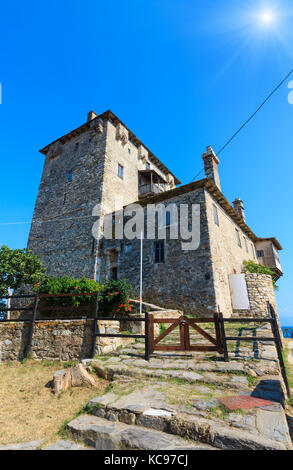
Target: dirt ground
x=29, y=410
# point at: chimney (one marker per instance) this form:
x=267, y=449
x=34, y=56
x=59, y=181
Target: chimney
x=91, y=115
x=238, y=206
x=211, y=162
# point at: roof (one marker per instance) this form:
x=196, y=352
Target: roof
x=109, y=116
x=208, y=184
x=154, y=173
x=271, y=239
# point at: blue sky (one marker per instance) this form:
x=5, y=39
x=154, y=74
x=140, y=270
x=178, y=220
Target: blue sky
x=182, y=74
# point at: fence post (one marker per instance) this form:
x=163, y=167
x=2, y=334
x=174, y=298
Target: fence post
x=95, y=325
x=223, y=335
x=278, y=344
x=218, y=333
x=32, y=326
x=147, y=336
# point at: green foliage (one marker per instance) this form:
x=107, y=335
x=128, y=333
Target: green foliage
x=162, y=328
x=67, y=285
x=252, y=267
x=114, y=297
x=19, y=267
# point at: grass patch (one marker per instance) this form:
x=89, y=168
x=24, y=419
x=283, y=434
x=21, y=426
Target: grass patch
x=288, y=367
x=29, y=410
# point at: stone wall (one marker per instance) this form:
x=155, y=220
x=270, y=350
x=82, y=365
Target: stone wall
x=62, y=222
x=184, y=280
x=227, y=255
x=59, y=339
x=260, y=291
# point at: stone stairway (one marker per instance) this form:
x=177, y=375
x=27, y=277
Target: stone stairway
x=102, y=434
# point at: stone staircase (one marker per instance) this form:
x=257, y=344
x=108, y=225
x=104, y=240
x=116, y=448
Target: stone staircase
x=102, y=434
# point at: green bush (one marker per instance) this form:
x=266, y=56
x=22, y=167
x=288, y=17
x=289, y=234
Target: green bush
x=67, y=285
x=114, y=297
x=252, y=267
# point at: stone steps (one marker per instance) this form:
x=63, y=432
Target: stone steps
x=106, y=435
x=261, y=429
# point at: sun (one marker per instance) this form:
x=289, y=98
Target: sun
x=266, y=17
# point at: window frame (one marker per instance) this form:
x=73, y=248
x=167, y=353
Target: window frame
x=120, y=172
x=216, y=215
x=159, y=251
x=238, y=239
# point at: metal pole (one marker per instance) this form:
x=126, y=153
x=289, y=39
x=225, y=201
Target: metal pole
x=140, y=290
x=147, y=337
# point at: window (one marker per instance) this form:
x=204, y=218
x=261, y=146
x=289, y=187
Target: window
x=159, y=252
x=216, y=215
x=260, y=253
x=147, y=166
x=168, y=219
x=120, y=171
x=76, y=146
x=253, y=251
x=246, y=246
x=69, y=176
x=114, y=274
x=238, y=238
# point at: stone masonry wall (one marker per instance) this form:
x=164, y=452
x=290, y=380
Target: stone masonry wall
x=62, y=222
x=227, y=255
x=59, y=339
x=184, y=281
x=260, y=291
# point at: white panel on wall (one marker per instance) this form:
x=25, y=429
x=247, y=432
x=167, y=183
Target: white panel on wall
x=240, y=300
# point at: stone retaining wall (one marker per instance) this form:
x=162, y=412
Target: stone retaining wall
x=58, y=339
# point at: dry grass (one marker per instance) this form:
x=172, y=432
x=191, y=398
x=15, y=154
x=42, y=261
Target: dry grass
x=29, y=410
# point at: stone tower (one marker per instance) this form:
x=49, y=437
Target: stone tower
x=100, y=162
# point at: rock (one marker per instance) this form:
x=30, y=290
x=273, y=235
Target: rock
x=273, y=425
x=102, y=371
x=105, y=435
x=32, y=445
x=203, y=405
x=65, y=445
x=80, y=376
x=61, y=381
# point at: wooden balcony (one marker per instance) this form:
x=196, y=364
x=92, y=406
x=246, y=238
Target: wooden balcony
x=150, y=189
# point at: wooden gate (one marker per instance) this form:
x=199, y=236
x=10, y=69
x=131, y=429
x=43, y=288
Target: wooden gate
x=184, y=323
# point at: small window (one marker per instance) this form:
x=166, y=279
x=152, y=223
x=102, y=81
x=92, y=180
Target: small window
x=260, y=253
x=69, y=176
x=253, y=251
x=216, y=215
x=168, y=219
x=147, y=166
x=159, y=252
x=246, y=246
x=76, y=146
x=120, y=171
x=114, y=274
x=238, y=238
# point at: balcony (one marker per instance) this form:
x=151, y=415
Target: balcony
x=150, y=184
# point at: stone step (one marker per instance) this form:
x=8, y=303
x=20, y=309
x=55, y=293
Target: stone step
x=106, y=435
x=66, y=445
x=264, y=428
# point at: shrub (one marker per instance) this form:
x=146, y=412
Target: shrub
x=114, y=297
x=252, y=267
x=67, y=285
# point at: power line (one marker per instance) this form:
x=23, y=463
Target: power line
x=250, y=118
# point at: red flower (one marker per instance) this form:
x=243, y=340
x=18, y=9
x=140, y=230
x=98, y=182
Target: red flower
x=75, y=287
x=36, y=284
